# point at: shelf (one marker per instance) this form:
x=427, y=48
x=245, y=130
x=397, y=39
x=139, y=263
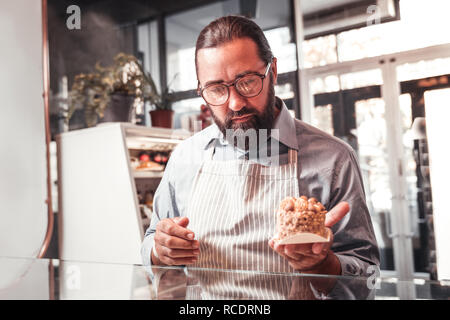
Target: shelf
x=147, y=174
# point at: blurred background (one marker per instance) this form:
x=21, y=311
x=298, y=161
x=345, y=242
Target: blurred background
x=375, y=73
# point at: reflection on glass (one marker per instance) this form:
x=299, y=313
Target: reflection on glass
x=213, y=284
x=59, y=279
x=371, y=133
x=27, y=279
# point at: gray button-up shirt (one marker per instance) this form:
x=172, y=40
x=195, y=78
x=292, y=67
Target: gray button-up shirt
x=327, y=170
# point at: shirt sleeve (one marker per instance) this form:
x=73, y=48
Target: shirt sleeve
x=164, y=206
x=354, y=238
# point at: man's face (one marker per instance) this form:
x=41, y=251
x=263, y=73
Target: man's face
x=225, y=63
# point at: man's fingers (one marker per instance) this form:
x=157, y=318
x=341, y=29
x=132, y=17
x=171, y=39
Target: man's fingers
x=336, y=214
x=278, y=248
x=272, y=243
x=175, y=242
x=179, y=253
x=172, y=228
x=318, y=247
x=299, y=248
x=291, y=252
x=181, y=221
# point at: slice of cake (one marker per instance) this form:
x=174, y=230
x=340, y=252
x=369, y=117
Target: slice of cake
x=301, y=215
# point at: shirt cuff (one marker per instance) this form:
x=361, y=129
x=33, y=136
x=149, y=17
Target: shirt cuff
x=352, y=288
x=146, y=249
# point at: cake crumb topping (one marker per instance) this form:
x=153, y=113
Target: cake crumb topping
x=300, y=215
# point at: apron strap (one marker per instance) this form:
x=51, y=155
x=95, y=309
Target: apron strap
x=210, y=152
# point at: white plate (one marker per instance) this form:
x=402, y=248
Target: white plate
x=304, y=237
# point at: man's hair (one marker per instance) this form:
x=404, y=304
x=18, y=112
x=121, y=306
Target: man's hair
x=228, y=28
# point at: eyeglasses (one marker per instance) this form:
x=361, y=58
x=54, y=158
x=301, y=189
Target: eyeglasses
x=248, y=86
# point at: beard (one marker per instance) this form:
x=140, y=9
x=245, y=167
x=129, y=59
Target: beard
x=257, y=121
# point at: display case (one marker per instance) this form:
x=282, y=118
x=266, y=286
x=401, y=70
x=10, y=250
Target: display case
x=107, y=176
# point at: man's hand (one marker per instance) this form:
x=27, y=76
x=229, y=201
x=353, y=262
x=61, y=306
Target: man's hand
x=174, y=243
x=315, y=257
x=172, y=284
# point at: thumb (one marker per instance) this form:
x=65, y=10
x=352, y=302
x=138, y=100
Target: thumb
x=181, y=221
x=336, y=214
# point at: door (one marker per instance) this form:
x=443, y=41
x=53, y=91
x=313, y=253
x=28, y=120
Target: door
x=350, y=106
x=372, y=105
x=425, y=91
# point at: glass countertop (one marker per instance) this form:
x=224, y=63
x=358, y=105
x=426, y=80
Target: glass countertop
x=53, y=279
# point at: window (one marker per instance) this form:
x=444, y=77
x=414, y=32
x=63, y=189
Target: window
x=182, y=30
x=422, y=24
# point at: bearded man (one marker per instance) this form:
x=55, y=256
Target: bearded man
x=215, y=206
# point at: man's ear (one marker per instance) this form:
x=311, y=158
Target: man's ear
x=274, y=70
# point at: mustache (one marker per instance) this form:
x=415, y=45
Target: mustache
x=244, y=111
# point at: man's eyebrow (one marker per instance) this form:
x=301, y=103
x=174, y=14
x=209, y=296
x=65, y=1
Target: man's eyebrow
x=237, y=76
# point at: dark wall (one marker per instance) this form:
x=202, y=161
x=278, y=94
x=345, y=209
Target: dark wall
x=108, y=27
x=103, y=34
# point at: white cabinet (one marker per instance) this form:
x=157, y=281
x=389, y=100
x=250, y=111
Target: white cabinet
x=99, y=215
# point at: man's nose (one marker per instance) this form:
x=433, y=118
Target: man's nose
x=235, y=102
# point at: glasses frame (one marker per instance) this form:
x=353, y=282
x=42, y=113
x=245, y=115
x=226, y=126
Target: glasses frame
x=233, y=84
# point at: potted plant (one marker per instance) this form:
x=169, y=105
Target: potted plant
x=162, y=113
x=112, y=93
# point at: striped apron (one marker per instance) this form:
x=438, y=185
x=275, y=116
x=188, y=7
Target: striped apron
x=232, y=211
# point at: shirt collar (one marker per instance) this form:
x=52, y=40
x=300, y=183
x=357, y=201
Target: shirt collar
x=285, y=124
x=284, y=129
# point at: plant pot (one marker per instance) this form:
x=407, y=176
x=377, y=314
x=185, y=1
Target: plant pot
x=162, y=118
x=120, y=108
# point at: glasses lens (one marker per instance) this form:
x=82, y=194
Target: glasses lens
x=249, y=86
x=216, y=94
